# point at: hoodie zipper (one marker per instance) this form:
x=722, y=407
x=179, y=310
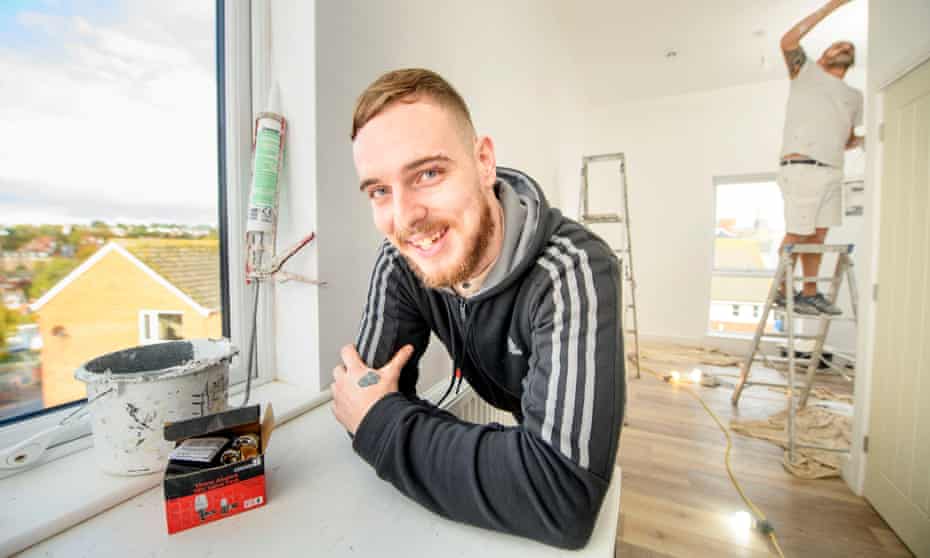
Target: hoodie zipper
x=466, y=353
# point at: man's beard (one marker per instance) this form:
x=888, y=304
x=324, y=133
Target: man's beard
x=475, y=248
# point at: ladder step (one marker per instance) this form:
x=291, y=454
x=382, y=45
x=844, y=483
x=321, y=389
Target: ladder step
x=785, y=336
x=768, y=384
x=601, y=218
x=629, y=331
x=781, y=359
x=817, y=279
x=818, y=248
x=818, y=317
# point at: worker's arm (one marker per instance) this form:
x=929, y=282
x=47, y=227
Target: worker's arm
x=391, y=319
x=854, y=140
x=795, y=57
x=546, y=478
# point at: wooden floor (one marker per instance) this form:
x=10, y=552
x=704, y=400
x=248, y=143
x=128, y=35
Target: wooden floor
x=677, y=499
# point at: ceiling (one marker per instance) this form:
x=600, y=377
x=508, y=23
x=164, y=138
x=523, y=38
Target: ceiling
x=616, y=50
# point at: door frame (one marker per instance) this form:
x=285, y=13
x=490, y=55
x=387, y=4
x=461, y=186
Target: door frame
x=854, y=469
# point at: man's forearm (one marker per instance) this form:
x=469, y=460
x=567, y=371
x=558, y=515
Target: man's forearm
x=792, y=39
x=505, y=479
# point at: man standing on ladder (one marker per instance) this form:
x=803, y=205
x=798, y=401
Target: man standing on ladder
x=822, y=113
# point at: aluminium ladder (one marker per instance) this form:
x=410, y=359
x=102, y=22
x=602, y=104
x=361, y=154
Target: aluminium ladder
x=627, y=246
x=784, y=275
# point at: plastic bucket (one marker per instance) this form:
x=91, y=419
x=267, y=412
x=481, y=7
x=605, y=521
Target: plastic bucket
x=142, y=388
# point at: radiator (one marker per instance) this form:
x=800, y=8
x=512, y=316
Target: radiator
x=469, y=407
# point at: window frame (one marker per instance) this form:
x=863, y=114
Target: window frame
x=725, y=272
x=145, y=315
x=234, y=143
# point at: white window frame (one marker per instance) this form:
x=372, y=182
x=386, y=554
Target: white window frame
x=714, y=272
x=146, y=315
x=238, y=137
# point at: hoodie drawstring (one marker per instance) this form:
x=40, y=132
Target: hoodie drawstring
x=456, y=371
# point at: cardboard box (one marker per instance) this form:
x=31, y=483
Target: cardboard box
x=210, y=494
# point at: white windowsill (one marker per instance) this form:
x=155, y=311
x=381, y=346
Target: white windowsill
x=323, y=500
x=51, y=498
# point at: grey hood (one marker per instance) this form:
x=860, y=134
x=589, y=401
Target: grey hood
x=528, y=224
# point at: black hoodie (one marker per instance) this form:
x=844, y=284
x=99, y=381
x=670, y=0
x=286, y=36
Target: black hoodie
x=542, y=339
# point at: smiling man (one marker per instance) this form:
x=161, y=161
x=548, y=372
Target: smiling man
x=525, y=300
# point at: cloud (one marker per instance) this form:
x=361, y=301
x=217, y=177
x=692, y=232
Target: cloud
x=37, y=203
x=112, y=112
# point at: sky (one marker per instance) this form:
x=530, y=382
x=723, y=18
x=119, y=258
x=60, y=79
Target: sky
x=107, y=111
x=745, y=203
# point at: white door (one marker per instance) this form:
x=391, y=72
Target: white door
x=898, y=473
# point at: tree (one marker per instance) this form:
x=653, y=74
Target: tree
x=48, y=273
x=17, y=236
x=9, y=319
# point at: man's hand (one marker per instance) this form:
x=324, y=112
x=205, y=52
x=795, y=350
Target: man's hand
x=791, y=41
x=357, y=387
x=855, y=141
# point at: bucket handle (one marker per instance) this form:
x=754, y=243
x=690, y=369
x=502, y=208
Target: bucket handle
x=30, y=450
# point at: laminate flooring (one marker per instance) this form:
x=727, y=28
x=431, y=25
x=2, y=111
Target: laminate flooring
x=678, y=501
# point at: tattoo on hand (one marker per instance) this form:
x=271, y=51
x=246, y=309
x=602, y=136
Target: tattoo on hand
x=369, y=379
x=795, y=58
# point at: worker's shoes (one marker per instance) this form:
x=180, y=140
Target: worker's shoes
x=801, y=304
x=819, y=303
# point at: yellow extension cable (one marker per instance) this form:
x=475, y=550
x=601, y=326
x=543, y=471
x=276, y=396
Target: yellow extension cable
x=726, y=458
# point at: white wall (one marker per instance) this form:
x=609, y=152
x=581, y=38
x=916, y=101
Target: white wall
x=898, y=41
x=675, y=146
x=324, y=54
x=297, y=317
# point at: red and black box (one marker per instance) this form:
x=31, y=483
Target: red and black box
x=213, y=493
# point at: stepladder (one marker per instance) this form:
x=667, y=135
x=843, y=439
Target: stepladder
x=811, y=360
x=617, y=215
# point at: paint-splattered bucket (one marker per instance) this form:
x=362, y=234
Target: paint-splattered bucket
x=141, y=388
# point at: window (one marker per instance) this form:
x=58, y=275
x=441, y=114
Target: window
x=159, y=326
x=109, y=191
x=748, y=230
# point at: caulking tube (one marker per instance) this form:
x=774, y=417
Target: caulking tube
x=268, y=154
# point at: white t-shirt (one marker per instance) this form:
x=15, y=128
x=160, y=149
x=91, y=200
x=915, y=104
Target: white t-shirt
x=822, y=110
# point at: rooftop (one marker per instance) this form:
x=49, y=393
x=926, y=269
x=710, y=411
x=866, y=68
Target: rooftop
x=193, y=266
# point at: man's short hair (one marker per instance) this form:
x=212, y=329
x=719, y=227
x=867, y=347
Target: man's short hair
x=408, y=85
x=851, y=44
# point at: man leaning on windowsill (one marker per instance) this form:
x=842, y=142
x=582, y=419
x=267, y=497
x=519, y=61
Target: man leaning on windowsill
x=525, y=300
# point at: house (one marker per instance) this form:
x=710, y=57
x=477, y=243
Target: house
x=39, y=248
x=13, y=290
x=129, y=292
x=739, y=293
